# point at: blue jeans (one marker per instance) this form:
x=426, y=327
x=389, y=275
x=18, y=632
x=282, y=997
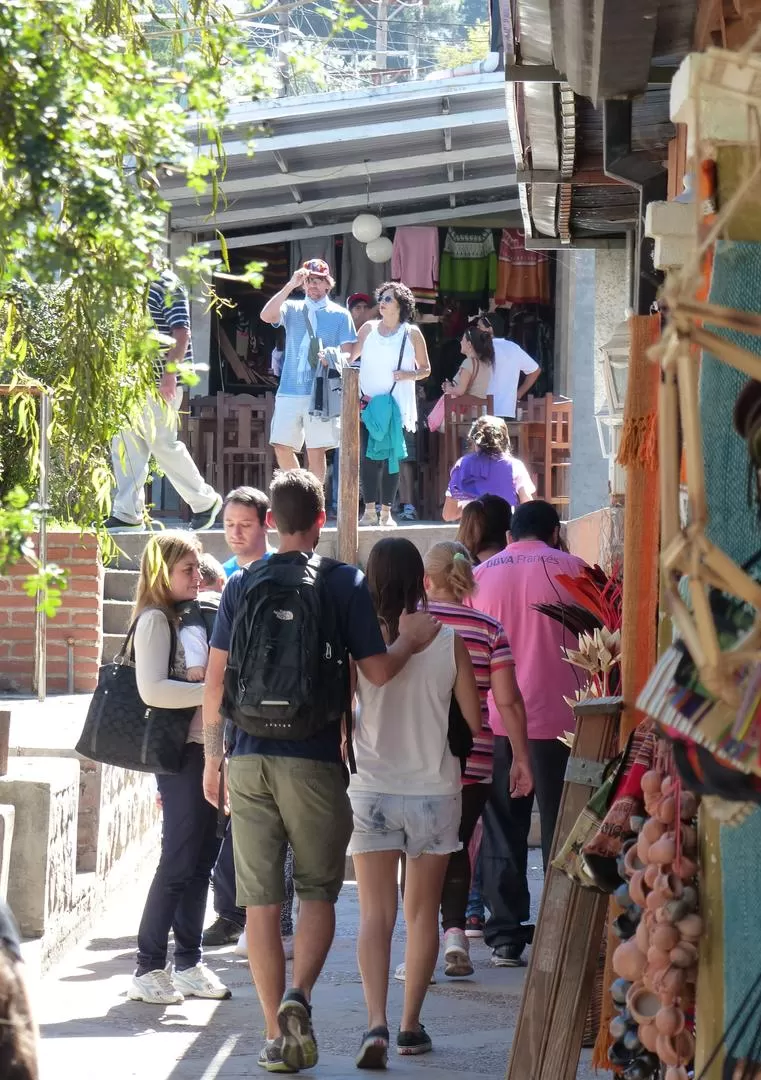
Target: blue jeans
x=475, y=899
x=179, y=890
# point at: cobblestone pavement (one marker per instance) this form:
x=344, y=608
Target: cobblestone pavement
x=90, y=1030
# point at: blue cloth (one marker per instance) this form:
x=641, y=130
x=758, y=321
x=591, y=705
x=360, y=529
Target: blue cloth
x=231, y=566
x=359, y=629
x=383, y=420
x=333, y=326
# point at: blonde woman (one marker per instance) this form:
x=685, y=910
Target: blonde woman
x=170, y=576
x=449, y=584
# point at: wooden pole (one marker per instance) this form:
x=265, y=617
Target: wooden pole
x=348, y=486
x=571, y=922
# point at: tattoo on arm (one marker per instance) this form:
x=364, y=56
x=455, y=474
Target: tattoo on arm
x=214, y=740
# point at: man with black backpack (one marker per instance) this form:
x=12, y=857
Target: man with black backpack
x=279, y=668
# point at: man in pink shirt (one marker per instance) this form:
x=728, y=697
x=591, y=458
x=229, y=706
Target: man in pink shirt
x=509, y=585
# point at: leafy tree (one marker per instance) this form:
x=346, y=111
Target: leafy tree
x=475, y=47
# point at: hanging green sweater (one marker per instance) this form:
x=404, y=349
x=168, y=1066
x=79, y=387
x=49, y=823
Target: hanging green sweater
x=468, y=264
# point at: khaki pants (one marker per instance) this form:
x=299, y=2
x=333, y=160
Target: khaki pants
x=157, y=435
x=276, y=801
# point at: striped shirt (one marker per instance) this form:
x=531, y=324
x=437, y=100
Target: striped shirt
x=168, y=307
x=489, y=651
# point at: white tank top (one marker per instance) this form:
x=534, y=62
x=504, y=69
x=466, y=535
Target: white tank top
x=380, y=359
x=400, y=740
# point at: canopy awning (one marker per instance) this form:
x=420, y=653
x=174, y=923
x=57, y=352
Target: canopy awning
x=417, y=152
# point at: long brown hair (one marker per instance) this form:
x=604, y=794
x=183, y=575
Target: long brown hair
x=160, y=556
x=484, y=524
x=395, y=578
x=482, y=342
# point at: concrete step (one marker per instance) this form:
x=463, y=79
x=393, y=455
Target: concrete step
x=116, y=616
x=119, y=584
x=111, y=645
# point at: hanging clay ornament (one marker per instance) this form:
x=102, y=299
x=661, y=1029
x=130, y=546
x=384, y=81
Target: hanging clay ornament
x=651, y=782
x=669, y=1020
x=665, y=936
x=690, y=928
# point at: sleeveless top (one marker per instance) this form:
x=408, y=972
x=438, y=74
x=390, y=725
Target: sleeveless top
x=400, y=739
x=380, y=357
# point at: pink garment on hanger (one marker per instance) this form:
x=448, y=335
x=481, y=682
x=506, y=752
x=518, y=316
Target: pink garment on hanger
x=415, y=260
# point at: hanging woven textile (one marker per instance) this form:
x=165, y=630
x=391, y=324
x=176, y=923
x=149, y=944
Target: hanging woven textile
x=523, y=277
x=638, y=454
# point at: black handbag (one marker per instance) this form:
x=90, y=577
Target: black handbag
x=120, y=729
x=459, y=735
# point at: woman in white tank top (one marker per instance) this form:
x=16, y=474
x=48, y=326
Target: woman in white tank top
x=406, y=799
x=394, y=355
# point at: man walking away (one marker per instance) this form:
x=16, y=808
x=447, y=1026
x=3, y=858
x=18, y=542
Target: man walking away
x=157, y=432
x=278, y=667
x=311, y=325
x=509, y=585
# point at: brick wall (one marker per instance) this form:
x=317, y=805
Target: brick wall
x=79, y=618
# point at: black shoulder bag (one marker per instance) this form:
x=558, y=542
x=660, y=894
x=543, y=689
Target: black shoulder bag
x=120, y=729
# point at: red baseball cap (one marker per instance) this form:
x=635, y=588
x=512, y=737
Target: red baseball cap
x=358, y=298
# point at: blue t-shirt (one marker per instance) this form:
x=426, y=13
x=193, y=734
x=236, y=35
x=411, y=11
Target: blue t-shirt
x=334, y=326
x=359, y=629
x=231, y=566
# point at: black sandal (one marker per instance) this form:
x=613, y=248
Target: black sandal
x=373, y=1053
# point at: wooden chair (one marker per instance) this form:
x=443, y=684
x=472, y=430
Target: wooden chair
x=244, y=454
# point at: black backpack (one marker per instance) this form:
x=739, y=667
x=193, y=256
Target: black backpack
x=287, y=674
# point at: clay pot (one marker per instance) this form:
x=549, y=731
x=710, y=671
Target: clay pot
x=655, y=900
x=690, y=928
x=657, y=959
x=685, y=1047
x=669, y=1020
x=653, y=829
x=666, y=1051
x=672, y=911
x=689, y=839
x=665, y=936
x=667, y=785
x=628, y=961
x=670, y=983
x=642, y=936
x=676, y=1072
x=652, y=870
x=651, y=782
x=687, y=868
x=667, y=810
x=688, y=806
x=632, y=862
x=670, y=885
x=642, y=1003
x=643, y=849
x=684, y=955
x=618, y=1027
x=663, y=850
x=648, y=1035
x=618, y=991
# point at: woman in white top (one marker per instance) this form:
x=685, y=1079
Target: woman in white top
x=170, y=576
x=394, y=356
x=406, y=799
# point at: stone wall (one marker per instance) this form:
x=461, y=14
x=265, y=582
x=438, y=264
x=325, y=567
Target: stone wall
x=78, y=621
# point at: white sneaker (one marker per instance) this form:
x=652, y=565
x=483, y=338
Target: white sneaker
x=155, y=987
x=401, y=974
x=200, y=981
x=288, y=947
x=457, y=962
x=370, y=517
x=241, y=949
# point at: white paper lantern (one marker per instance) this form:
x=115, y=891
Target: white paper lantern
x=380, y=250
x=366, y=227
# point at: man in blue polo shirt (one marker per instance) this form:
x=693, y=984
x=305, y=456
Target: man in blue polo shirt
x=315, y=318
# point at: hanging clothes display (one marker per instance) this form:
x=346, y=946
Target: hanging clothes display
x=313, y=247
x=358, y=274
x=523, y=277
x=468, y=264
x=415, y=261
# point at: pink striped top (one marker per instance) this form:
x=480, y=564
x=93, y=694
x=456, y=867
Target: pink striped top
x=489, y=651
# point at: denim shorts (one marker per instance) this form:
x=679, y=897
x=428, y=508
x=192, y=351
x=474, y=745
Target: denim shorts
x=415, y=824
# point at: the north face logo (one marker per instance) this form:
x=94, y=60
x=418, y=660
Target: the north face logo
x=284, y=616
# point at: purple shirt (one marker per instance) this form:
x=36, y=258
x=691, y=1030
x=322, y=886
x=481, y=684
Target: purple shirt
x=475, y=475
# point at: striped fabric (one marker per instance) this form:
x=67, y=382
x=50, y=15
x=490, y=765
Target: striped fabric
x=489, y=650
x=168, y=307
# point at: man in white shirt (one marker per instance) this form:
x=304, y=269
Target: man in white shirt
x=510, y=362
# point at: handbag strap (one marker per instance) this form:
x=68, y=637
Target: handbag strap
x=401, y=357
x=310, y=328
x=128, y=645
x=473, y=375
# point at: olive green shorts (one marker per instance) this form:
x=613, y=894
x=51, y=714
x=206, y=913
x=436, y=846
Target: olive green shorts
x=276, y=801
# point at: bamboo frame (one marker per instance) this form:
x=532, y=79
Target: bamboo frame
x=685, y=551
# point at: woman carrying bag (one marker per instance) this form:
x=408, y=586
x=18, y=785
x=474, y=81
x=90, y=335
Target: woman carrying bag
x=169, y=577
x=394, y=356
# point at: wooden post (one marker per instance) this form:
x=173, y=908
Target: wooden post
x=5, y=731
x=561, y=971
x=348, y=487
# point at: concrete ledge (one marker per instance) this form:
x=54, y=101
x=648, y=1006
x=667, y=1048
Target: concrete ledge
x=7, y=821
